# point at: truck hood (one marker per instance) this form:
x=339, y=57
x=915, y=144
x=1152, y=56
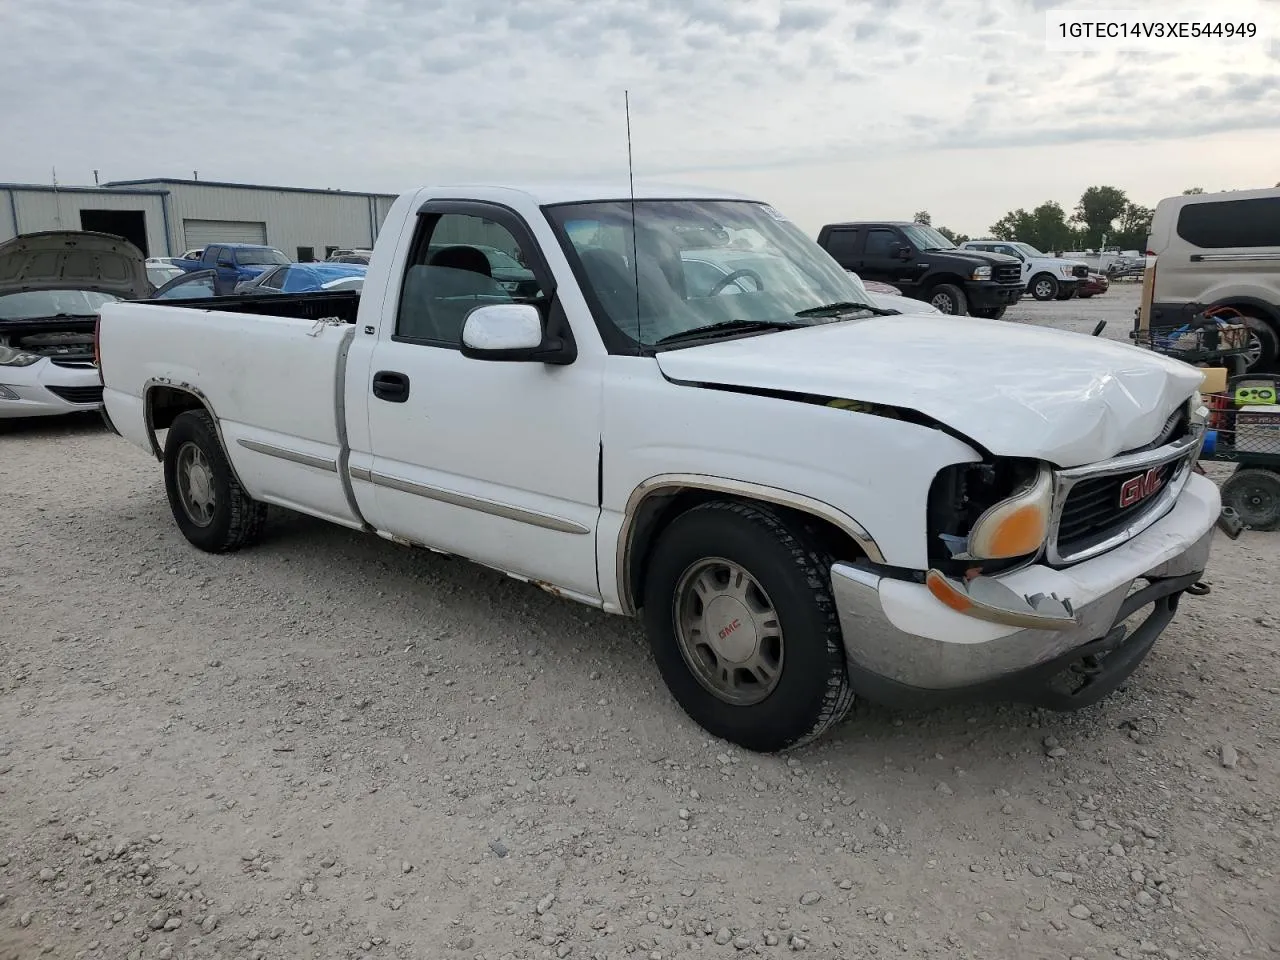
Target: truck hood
x=1016, y=390
x=982, y=257
x=73, y=260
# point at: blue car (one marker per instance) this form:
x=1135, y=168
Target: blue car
x=305, y=278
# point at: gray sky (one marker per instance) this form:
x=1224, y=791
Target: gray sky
x=830, y=109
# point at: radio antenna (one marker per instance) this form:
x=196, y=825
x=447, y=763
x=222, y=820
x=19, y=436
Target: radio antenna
x=631, y=180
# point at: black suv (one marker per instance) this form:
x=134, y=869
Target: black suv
x=925, y=265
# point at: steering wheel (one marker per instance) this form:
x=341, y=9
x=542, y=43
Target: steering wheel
x=731, y=277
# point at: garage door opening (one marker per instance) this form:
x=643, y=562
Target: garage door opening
x=130, y=224
x=201, y=233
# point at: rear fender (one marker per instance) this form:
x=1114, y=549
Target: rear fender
x=164, y=399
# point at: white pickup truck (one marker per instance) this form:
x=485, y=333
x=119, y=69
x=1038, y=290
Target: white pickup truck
x=806, y=498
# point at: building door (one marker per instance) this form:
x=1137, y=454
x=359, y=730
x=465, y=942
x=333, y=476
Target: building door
x=198, y=234
x=130, y=224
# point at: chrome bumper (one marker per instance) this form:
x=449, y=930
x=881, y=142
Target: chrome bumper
x=900, y=640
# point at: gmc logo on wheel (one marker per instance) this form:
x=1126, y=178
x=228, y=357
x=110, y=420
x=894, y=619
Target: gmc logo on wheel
x=730, y=628
x=1142, y=486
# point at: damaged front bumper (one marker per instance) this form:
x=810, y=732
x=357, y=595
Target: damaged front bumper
x=907, y=647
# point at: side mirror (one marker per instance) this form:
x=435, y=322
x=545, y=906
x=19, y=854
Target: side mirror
x=902, y=252
x=511, y=332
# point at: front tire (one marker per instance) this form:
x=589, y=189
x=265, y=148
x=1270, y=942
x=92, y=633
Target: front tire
x=209, y=506
x=1043, y=287
x=739, y=612
x=1065, y=294
x=988, y=313
x=949, y=299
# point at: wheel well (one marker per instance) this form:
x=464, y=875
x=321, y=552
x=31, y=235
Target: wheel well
x=1254, y=310
x=950, y=278
x=163, y=405
x=1042, y=273
x=659, y=509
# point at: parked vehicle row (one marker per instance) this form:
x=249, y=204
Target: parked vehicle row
x=925, y=265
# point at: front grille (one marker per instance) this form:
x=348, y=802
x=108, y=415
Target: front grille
x=1006, y=273
x=1096, y=508
x=1080, y=271
x=78, y=394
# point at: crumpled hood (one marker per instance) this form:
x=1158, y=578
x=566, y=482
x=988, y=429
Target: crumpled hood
x=1017, y=390
x=73, y=260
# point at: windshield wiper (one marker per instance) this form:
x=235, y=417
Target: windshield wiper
x=730, y=326
x=844, y=306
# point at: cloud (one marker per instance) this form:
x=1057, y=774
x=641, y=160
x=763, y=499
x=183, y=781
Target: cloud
x=388, y=94
x=796, y=17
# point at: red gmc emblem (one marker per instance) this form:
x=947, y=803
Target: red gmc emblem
x=730, y=628
x=1142, y=486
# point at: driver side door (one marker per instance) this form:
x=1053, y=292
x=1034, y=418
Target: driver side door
x=491, y=460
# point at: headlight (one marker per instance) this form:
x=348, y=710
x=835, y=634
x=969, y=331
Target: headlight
x=981, y=273
x=1065, y=271
x=1016, y=526
x=12, y=357
x=988, y=515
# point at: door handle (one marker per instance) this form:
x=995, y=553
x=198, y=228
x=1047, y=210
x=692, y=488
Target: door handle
x=391, y=386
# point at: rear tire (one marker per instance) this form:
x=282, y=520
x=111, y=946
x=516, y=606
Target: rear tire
x=1264, y=345
x=1043, y=287
x=209, y=505
x=950, y=299
x=739, y=612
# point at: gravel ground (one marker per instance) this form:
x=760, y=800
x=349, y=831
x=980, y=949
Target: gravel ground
x=330, y=746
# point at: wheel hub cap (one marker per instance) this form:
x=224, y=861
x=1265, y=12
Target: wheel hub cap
x=195, y=485
x=728, y=631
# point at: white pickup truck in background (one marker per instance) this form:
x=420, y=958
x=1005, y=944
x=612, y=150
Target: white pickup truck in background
x=1047, y=277
x=805, y=497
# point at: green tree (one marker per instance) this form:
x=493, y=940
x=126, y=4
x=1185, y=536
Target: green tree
x=1134, y=227
x=956, y=238
x=922, y=216
x=1098, y=209
x=1193, y=191
x=1012, y=224
x=1045, y=228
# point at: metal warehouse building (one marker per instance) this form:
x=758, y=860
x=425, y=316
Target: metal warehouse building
x=167, y=217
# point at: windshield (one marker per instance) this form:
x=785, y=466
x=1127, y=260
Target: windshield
x=39, y=304
x=1028, y=249
x=927, y=238
x=257, y=256
x=700, y=262
x=160, y=274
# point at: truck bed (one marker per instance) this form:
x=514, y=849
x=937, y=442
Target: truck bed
x=341, y=304
x=271, y=366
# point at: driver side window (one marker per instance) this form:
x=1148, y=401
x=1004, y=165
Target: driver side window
x=449, y=274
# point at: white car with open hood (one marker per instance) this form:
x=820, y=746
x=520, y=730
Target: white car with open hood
x=806, y=497
x=51, y=286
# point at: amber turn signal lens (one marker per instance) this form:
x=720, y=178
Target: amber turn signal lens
x=946, y=593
